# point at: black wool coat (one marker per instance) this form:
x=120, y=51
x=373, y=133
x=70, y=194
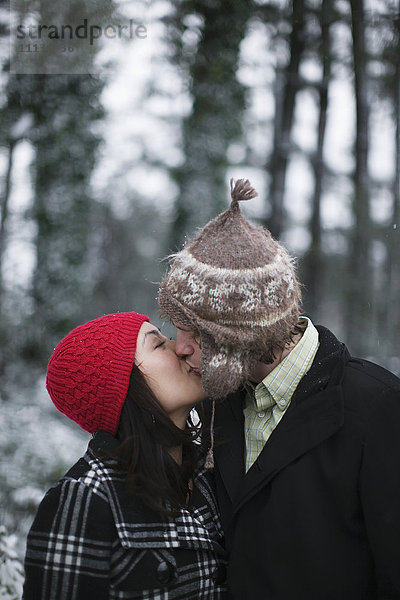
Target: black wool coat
x=91, y=540
x=317, y=516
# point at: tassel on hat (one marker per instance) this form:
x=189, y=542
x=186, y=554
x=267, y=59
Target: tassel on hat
x=241, y=191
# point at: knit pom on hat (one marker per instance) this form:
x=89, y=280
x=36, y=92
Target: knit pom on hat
x=88, y=373
x=237, y=287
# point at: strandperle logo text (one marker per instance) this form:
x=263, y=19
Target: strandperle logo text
x=83, y=31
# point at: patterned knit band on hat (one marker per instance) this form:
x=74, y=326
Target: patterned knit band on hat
x=88, y=373
x=236, y=286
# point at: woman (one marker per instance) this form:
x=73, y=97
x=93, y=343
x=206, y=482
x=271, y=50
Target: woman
x=135, y=517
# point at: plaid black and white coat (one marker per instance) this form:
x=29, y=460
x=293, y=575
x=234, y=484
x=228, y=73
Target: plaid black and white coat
x=91, y=541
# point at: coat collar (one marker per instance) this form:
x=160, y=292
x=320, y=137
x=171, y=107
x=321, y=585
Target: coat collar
x=316, y=413
x=139, y=526
x=229, y=441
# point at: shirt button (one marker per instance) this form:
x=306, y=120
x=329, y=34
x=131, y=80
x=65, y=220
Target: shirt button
x=261, y=414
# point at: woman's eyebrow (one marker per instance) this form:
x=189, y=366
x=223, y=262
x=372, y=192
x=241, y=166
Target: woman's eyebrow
x=152, y=331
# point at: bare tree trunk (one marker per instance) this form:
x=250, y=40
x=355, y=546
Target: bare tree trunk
x=4, y=214
x=313, y=262
x=392, y=311
x=3, y=226
x=216, y=118
x=284, y=119
x=359, y=269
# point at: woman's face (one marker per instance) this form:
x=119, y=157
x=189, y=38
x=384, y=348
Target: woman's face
x=175, y=384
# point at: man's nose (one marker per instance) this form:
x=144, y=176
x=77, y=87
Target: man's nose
x=183, y=347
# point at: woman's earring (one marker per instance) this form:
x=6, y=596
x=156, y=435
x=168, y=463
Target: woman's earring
x=153, y=419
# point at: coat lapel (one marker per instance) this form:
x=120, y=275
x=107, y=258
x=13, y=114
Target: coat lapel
x=315, y=414
x=229, y=449
x=304, y=427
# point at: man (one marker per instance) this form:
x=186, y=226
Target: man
x=307, y=444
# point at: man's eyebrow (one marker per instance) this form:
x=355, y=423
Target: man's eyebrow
x=152, y=331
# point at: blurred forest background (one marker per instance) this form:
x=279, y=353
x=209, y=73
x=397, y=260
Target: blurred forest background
x=104, y=174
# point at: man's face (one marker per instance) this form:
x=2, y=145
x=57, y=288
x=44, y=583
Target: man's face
x=188, y=346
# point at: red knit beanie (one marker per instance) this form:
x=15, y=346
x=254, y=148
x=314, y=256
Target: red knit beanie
x=89, y=370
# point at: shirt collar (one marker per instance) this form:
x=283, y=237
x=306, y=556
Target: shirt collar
x=279, y=386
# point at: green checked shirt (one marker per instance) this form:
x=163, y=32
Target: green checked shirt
x=266, y=403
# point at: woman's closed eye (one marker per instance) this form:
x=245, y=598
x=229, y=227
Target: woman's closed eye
x=156, y=339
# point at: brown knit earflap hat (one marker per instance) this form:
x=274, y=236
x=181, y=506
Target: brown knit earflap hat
x=237, y=287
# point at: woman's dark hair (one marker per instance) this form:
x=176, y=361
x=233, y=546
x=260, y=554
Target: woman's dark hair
x=146, y=432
